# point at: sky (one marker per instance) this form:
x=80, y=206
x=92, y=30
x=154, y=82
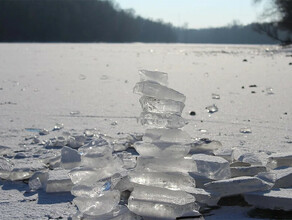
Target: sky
x=197, y=13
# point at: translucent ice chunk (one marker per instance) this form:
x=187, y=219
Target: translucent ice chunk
x=159, y=165
x=155, y=203
x=157, y=194
x=155, y=76
x=98, y=205
x=280, y=160
x=119, y=212
x=98, y=147
x=247, y=171
x=162, y=149
x=247, y=157
x=212, y=167
x=172, y=181
x=38, y=180
x=20, y=173
x=58, y=126
x=88, y=191
x=70, y=158
x=283, y=178
x=205, y=146
x=5, y=168
x=150, y=104
x=158, y=91
x=158, y=210
x=162, y=120
x=212, y=108
x=76, y=141
x=238, y=185
x=278, y=199
x=58, y=181
x=129, y=160
x=215, y=96
x=35, y=184
x=89, y=176
x=245, y=130
x=166, y=135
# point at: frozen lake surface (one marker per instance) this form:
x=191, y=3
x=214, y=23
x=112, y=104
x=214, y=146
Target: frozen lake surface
x=41, y=84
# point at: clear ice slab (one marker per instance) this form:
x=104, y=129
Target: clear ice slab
x=237, y=171
x=161, y=203
x=5, y=168
x=70, y=158
x=162, y=120
x=98, y=205
x=155, y=90
x=278, y=199
x=283, y=177
x=58, y=181
x=166, y=135
x=212, y=167
x=172, y=181
x=237, y=185
x=155, y=76
x=280, y=160
x=161, y=165
x=205, y=146
x=157, y=194
x=162, y=149
x=154, y=105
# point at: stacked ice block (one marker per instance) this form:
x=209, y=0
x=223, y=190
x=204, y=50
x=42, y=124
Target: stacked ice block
x=162, y=185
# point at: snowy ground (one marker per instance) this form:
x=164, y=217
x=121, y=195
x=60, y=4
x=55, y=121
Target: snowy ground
x=41, y=84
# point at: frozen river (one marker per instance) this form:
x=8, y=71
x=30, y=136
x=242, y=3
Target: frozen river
x=41, y=84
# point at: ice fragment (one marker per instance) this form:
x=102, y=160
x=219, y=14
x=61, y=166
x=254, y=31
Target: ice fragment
x=158, y=91
x=150, y=104
x=155, y=76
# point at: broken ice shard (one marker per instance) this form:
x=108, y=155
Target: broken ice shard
x=162, y=120
x=215, y=96
x=150, y=104
x=70, y=158
x=98, y=205
x=212, y=167
x=280, y=160
x=212, y=108
x=166, y=135
x=162, y=149
x=38, y=180
x=173, y=181
x=155, y=76
x=237, y=185
x=245, y=130
x=237, y=171
x=155, y=90
x=5, y=168
x=283, y=178
x=278, y=199
x=204, y=146
x=58, y=181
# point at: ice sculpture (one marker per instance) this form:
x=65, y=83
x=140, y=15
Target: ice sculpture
x=161, y=180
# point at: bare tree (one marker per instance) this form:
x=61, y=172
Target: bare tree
x=280, y=12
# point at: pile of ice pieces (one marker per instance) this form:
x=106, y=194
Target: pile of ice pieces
x=161, y=184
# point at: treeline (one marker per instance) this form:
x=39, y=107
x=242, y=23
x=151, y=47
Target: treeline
x=76, y=21
x=102, y=21
x=235, y=34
